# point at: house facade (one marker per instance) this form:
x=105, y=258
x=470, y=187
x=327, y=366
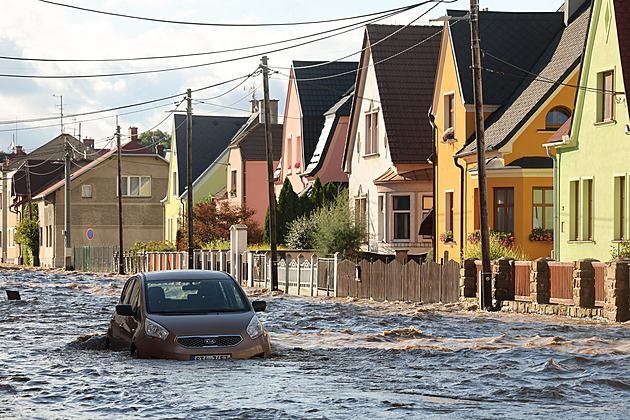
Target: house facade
x=315, y=87
x=247, y=171
x=592, y=159
x=211, y=136
x=389, y=144
x=520, y=115
x=94, y=203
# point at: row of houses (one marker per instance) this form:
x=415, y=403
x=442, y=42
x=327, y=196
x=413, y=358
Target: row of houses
x=398, y=127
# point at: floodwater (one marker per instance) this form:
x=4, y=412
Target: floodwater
x=332, y=359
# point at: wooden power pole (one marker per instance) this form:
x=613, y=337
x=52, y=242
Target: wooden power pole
x=486, y=274
x=68, y=243
x=272, y=195
x=189, y=210
x=121, y=251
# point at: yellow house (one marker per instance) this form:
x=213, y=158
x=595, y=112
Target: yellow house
x=528, y=93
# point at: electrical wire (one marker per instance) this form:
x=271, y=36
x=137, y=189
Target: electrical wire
x=237, y=25
x=140, y=72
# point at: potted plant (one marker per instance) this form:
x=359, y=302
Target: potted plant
x=446, y=237
x=541, y=235
x=233, y=191
x=449, y=135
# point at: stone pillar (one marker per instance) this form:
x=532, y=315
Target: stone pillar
x=539, y=287
x=467, y=279
x=616, y=291
x=238, y=245
x=584, y=283
x=501, y=277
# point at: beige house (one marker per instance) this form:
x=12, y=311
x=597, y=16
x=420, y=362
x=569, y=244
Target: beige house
x=94, y=203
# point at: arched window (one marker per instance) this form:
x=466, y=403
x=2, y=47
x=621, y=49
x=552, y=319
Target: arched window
x=556, y=117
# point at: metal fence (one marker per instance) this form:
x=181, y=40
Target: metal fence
x=100, y=259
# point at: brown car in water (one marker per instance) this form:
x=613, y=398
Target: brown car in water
x=187, y=315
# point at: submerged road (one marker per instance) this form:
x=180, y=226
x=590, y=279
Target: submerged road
x=331, y=359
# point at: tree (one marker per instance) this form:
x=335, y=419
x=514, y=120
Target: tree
x=27, y=234
x=212, y=222
x=289, y=208
x=336, y=230
x=152, y=138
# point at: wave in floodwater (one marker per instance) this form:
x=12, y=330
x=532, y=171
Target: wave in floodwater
x=331, y=358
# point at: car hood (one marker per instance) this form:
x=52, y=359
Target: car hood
x=204, y=324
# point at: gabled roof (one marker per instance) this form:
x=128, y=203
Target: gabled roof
x=211, y=136
x=42, y=173
x=562, y=57
x=340, y=109
x=405, y=63
x=391, y=175
x=622, y=17
x=55, y=149
x=252, y=142
x=561, y=132
x=130, y=148
x=517, y=38
x=320, y=85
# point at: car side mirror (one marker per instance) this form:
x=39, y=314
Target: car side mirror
x=125, y=310
x=259, y=305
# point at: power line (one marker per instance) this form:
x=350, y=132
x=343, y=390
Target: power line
x=140, y=72
x=238, y=25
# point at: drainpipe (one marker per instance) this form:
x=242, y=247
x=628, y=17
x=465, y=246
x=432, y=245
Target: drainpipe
x=556, y=193
x=462, y=185
x=434, y=168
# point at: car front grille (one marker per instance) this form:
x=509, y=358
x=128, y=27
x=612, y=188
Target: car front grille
x=210, y=341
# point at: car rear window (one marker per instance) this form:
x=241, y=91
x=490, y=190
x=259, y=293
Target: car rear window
x=194, y=296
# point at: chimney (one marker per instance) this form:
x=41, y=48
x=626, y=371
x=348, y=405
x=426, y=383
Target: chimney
x=570, y=7
x=89, y=143
x=273, y=104
x=133, y=133
x=159, y=149
x=19, y=150
x=253, y=106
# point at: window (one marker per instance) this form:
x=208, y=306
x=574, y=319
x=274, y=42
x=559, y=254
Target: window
x=574, y=210
x=174, y=183
x=233, y=180
x=10, y=237
x=360, y=211
x=556, y=118
x=401, y=205
x=448, y=211
x=136, y=186
x=449, y=111
x=542, y=208
x=587, y=192
x=504, y=209
x=371, y=131
x=86, y=191
x=289, y=155
x=427, y=205
x=620, y=208
x=381, y=218
x=606, y=96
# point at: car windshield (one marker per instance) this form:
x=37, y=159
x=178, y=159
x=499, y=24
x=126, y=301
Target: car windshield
x=194, y=296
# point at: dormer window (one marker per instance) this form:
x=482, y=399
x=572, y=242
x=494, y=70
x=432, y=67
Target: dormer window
x=556, y=118
x=371, y=131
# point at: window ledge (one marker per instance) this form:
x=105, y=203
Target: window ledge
x=581, y=242
x=619, y=241
x=371, y=155
x=547, y=130
x=451, y=243
x=604, y=123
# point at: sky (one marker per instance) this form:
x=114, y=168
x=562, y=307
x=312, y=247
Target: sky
x=42, y=34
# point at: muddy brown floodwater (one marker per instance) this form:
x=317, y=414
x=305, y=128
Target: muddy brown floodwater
x=332, y=359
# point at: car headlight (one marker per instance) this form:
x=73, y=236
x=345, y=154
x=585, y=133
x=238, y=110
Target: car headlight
x=255, y=328
x=155, y=330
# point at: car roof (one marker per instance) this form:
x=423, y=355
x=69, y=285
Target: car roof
x=185, y=275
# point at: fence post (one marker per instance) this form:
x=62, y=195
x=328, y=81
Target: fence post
x=300, y=262
x=616, y=305
x=501, y=274
x=313, y=271
x=287, y=262
x=539, y=286
x=468, y=279
x=584, y=283
x=335, y=273
x=250, y=269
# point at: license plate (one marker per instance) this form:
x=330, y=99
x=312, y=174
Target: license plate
x=211, y=357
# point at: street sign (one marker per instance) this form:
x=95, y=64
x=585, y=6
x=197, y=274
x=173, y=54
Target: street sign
x=90, y=234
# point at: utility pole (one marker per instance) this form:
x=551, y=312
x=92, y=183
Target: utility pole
x=486, y=275
x=68, y=244
x=272, y=196
x=189, y=212
x=121, y=263
x=29, y=196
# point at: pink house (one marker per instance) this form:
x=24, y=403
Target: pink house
x=317, y=110
x=247, y=162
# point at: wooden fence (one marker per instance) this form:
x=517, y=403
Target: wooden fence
x=406, y=281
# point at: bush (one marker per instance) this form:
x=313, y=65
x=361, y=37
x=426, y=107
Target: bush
x=27, y=234
x=153, y=246
x=217, y=244
x=497, y=250
x=300, y=233
x=336, y=230
x=621, y=250
x=504, y=238
x=541, y=235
